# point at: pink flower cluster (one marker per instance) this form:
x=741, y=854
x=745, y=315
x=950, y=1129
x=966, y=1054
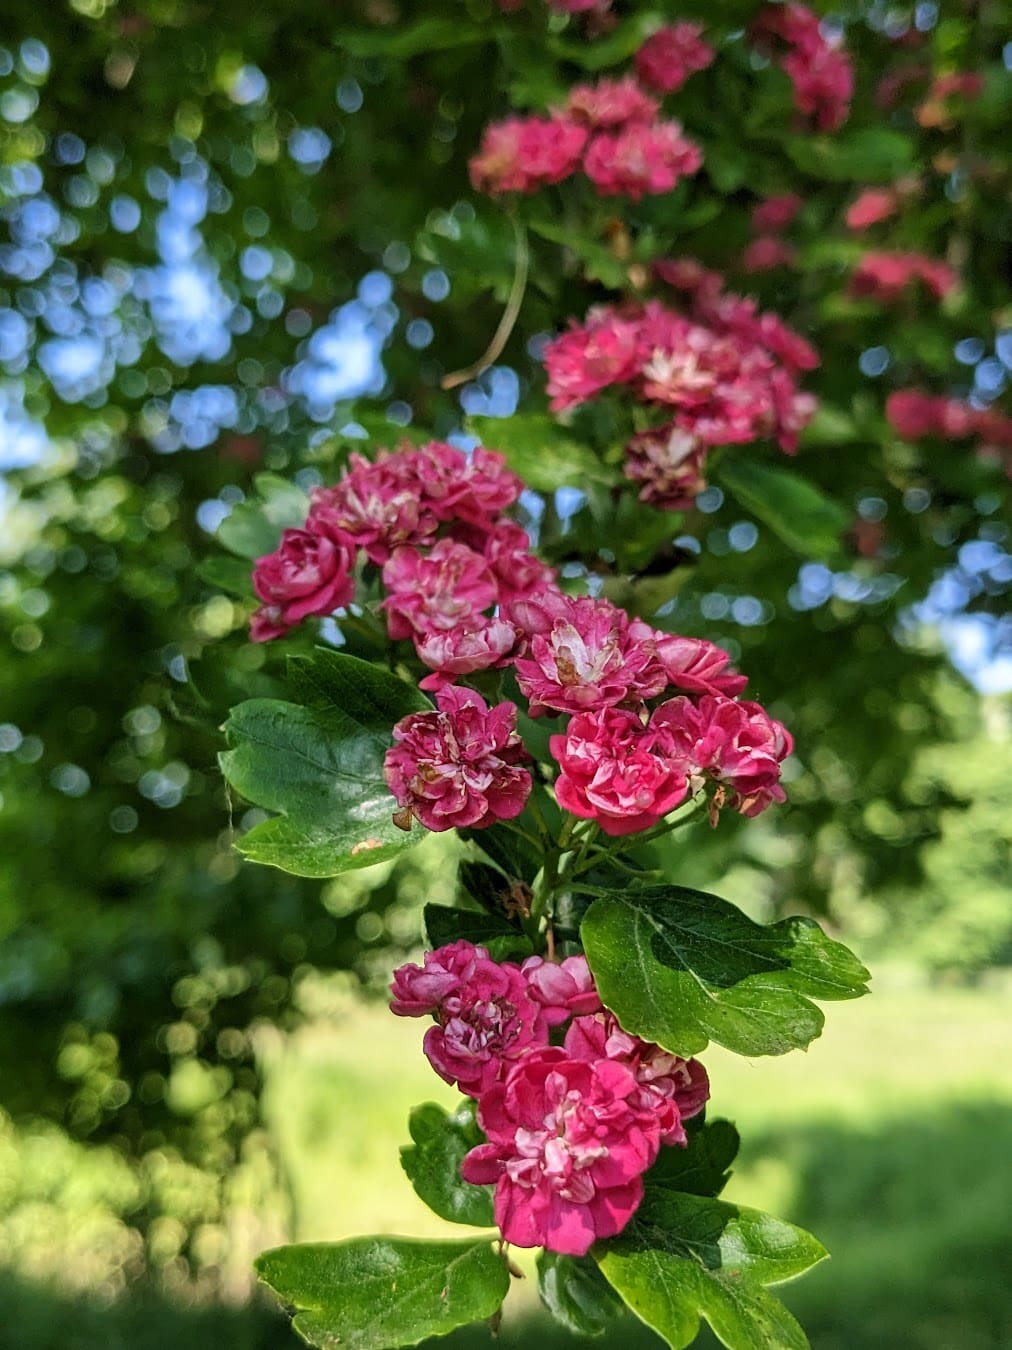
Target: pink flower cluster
x=610, y=131
x=817, y=66
x=622, y=763
x=668, y=57
x=914, y=414
x=432, y=519
x=769, y=219
x=886, y=276
x=719, y=374
x=574, y=1109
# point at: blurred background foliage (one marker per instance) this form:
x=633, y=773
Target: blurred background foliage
x=235, y=238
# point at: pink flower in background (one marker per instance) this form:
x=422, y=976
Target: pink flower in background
x=697, y=665
x=517, y=570
x=309, y=574
x=885, y=276
x=568, y=1144
x=436, y=591
x=589, y=658
x=667, y=58
x=522, y=154
x=818, y=66
x=872, y=206
x=774, y=214
x=674, y=1089
x=486, y=1019
x=616, y=771
x=480, y=645
x=914, y=414
x=457, y=767
x=610, y=103
x=668, y=462
x=579, y=6
x=737, y=743
x=766, y=253
x=640, y=159
x=589, y=357
x=563, y=990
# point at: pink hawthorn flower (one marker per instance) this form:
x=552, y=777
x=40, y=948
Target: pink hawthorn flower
x=456, y=767
x=820, y=69
x=667, y=58
x=522, y=154
x=885, y=276
x=380, y=505
x=913, y=414
x=308, y=574
x=563, y=990
x=568, y=1145
x=640, y=159
x=872, y=206
x=590, y=658
x=516, y=569
x=610, y=103
x=766, y=253
x=774, y=214
x=591, y=356
x=674, y=1089
x=473, y=488
x=436, y=591
x=479, y=645
x=696, y=665
x=617, y=771
x=737, y=743
x=485, y=1017
x=669, y=463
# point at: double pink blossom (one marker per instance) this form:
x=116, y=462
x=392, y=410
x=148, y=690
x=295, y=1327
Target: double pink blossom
x=485, y=1017
x=308, y=574
x=563, y=990
x=735, y=742
x=569, y=1141
x=640, y=159
x=588, y=656
x=668, y=57
x=674, y=1089
x=458, y=766
x=668, y=462
x=517, y=570
x=610, y=103
x=696, y=665
x=617, y=771
x=437, y=591
x=522, y=154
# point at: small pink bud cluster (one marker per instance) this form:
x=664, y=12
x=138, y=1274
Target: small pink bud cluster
x=769, y=220
x=432, y=518
x=631, y=752
x=817, y=66
x=886, y=276
x=914, y=415
x=717, y=375
x=610, y=131
x=575, y=1109
x=671, y=55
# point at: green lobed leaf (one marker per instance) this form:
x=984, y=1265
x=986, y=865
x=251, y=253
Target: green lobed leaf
x=253, y=528
x=682, y=967
x=685, y=1256
x=575, y=1292
x=231, y=575
x=433, y=1161
x=544, y=455
x=377, y=1293
x=702, y=1167
x=321, y=767
x=795, y=509
x=624, y=39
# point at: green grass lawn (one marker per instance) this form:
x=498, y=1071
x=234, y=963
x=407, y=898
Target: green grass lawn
x=890, y=1139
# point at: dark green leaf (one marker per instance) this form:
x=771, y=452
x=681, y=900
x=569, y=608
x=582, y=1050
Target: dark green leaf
x=804, y=518
x=375, y=1293
x=444, y=924
x=321, y=767
x=231, y=575
x=599, y=263
x=540, y=451
x=400, y=41
x=575, y=1292
x=508, y=850
x=682, y=968
x=253, y=528
x=874, y=155
x=702, y=1167
x=627, y=37
x=487, y=885
x=433, y=1161
x=686, y=1256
